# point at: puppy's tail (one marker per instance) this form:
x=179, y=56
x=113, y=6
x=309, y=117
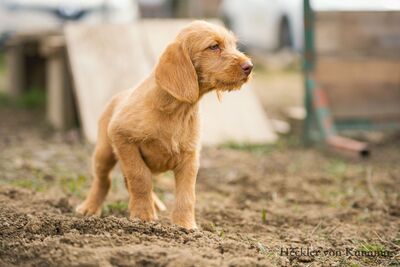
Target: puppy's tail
x=160, y=206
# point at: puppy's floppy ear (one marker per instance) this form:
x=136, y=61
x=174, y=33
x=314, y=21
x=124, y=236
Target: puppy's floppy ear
x=175, y=73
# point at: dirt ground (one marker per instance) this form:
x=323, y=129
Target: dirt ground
x=256, y=206
x=262, y=205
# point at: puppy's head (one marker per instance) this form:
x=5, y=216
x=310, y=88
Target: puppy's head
x=203, y=57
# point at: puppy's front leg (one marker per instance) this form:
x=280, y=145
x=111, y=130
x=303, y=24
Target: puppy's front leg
x=138, y=181
x=185, y=181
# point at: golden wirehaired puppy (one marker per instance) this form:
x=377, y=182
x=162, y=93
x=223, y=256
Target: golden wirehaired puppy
x=155, y=127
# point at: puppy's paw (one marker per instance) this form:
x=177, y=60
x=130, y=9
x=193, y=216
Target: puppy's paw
x=185, y=221
x=143, y=211
x=88, y=209
x=146, y=216
x=190, y=226
x=187, y=225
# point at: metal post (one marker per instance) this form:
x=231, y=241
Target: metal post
x=308, y=66
x=316, y=102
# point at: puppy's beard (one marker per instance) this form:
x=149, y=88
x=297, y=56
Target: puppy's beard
x=219, y=95
x=221, y=86
x=229, y=85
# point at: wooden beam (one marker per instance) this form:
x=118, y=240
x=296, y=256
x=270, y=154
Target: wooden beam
x=60, y=111
x=365, y=87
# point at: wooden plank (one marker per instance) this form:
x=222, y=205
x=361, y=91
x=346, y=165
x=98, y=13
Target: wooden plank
x=360, y=87
x=364, y=101
x=104, y=60
x=60, y=111
x=359, y=33
x=25, y=67
x=60, y=108
x=15, y=70
x=340, y=69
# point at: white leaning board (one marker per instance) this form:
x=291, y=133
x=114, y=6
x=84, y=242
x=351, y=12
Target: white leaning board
x=239, y=117
x=104, y=60
x=110, y=58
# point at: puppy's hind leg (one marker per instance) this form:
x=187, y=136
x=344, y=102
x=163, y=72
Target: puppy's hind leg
x=102, y=163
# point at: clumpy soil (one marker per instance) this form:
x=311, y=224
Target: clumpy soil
x=256, y=206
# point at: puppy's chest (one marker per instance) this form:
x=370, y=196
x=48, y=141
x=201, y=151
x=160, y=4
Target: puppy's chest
x=164, y=149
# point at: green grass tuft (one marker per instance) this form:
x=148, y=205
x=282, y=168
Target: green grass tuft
x=253, y=148
x=366, y=247
x=264, y=216
x=116, y=207
x=2, y=63
x=35, y=184
x=261, y=247
x=282, y=144
x=337, y=168
x=74, y=185
x=4, y=99
x=221, y=233
x=33, y=98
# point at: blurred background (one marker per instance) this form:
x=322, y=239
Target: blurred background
x=41, y=59
x=310, y=145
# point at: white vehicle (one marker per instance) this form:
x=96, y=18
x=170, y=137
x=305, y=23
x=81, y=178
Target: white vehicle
x=267, y=24
x=273, y=24
x=29, y=15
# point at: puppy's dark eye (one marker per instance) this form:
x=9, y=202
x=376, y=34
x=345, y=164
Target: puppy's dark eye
x=214, y=47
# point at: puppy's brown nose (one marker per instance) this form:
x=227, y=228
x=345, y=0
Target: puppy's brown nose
x=247, y=67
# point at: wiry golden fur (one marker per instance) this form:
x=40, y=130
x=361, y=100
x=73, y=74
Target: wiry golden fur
x=155, y=127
